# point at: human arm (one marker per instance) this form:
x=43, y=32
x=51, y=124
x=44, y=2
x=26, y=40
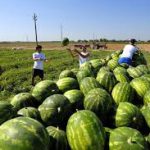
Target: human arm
x=85, y=55
x=72, y=53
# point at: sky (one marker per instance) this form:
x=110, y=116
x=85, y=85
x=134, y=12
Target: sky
x=80, y=19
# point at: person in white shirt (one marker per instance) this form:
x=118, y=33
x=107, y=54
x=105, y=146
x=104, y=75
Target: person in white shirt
x=128, y=51
x=38, y=58
x=83, y=55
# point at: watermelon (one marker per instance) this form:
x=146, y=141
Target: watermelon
x=75, y=70
x=44, y=89
x=141, y=86
x=99, y=101
x=23, y=133
x=103, y=69
x=128, y=115
x=6, y=111
x=112, y=64
x=138, y=59
x=97, y=64
x=147, y=76
x=121, y=77
x=23, y=100
x=143, y=68
x=123, y=92
x=120, y=70
x=84, y=73
x=85, y=131
x=126, y=138
x=66, y=73
x=146, y=113
x=66, y=84
x=54, y=109
x=146, y=98
x=30, y=112
x=107, y=80
x=58, y=138
x=134, y=72
x=88, y=84
x=76, y=98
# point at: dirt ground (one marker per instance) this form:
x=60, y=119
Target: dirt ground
x=57, y=45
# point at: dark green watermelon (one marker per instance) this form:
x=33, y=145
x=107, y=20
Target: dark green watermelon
x=99, y=101
x=23, y=133
x=88, y=84
x=129, y=115
x=67, y=83
x=30, y=112
x=44, y=89
x=58, y=139
x=54, y=109
x=126, y=138
x=23, y=100
x=76, y=98
x=7, y=111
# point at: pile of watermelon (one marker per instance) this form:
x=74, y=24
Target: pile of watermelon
x=100, y=106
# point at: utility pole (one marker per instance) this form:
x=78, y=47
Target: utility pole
x=61, y=32
x=35, y=19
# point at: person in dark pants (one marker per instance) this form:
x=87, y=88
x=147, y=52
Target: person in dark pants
x=38, y=58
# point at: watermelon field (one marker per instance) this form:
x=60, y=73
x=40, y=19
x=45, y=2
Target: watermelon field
x=100, y=106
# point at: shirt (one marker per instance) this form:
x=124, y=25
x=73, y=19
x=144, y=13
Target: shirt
x=128, y=51
x=83, y=60
x=38, y=64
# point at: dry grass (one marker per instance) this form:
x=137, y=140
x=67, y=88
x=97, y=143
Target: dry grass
x=57, y=45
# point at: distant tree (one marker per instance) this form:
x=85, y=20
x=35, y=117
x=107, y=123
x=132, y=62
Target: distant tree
x=103, y=40
x=65, y=42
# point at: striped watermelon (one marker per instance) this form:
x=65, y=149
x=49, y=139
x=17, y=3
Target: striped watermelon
x=30, y=112
x=112, y=64
x=120, y=70
x=58, y=139
x=123, y=92
x=141, y=86
x=146, y=113
x=87, y=66
x=146, y=98
x=54, y=109
x=76, y=98
x=126, y=138
x=107, y=80
x=66, y=73
x=97, y=64
x=6, y=111
x=22, y=100
x=66, y=84
x=23, y=133
x=143, y=68
x=99, y=101
x=133, y=72
x=85, y=131
x=75, y=70
x=84, y=73
x=104, y=69
x=88, y=84
x=128, y=115
x=121, y=77
x=136, y=72
x=147, y=76
x=44, y=89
